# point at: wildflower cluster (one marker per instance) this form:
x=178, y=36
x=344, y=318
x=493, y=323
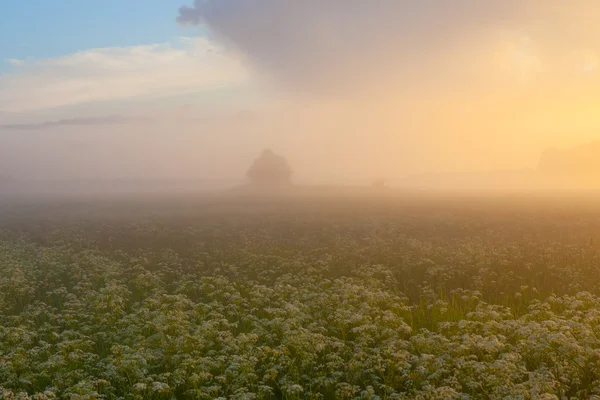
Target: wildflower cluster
x=300, y=304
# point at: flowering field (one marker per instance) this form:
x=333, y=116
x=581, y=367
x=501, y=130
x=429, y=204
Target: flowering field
x=300, y=300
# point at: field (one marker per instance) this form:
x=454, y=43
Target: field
x=331, y=298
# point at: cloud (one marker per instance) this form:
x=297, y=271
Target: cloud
x=16, y=63
x=106, y=74
x=586, y=60
x=519, y=57
x=316, y=46
x=92, y=121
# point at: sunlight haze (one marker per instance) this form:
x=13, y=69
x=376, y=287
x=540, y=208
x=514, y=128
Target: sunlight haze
x=347, y=91
x=300, y=199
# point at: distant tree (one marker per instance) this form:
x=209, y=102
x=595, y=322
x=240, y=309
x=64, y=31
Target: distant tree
x=578, y=165
x=270, y=169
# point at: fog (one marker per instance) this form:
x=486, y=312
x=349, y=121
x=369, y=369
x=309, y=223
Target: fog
x=348, y=92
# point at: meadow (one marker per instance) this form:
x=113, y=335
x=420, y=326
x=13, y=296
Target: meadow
x=332, y=298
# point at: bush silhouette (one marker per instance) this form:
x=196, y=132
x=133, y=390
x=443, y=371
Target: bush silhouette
x=270, y=169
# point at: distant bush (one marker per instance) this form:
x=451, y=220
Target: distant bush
x=270, y=169
x=379, y=184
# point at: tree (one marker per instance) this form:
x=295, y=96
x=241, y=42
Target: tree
x=270, y=169
x=578, y=166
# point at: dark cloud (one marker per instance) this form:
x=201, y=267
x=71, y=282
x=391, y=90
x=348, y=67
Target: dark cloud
x=91, y=121
x=318, y=45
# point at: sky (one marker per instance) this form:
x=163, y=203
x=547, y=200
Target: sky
x=349, y=90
